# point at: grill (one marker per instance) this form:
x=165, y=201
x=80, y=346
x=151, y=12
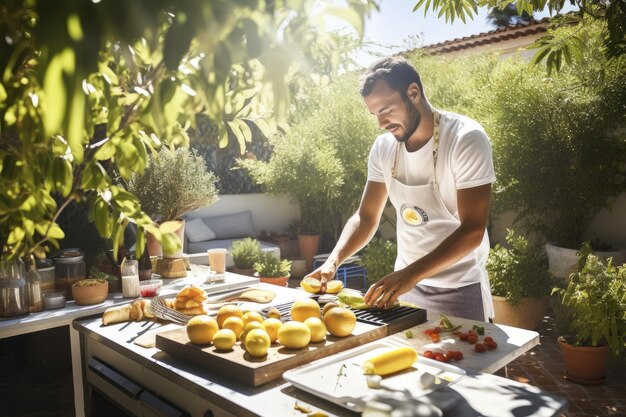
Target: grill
x=374, y=316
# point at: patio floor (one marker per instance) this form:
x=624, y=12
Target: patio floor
x=543, y=367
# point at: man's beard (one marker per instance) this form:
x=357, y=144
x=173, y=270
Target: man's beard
x=413, y=121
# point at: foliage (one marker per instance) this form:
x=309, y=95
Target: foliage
x=96, y=273
x=519, y=271
x=594, y=301
x=270, y=266
x=245, y=252
x=173, y=183
x=321, y=162
x=91, y=88
x=506, y=16
x=378, y=259
x=551, y=49
x=557, y=168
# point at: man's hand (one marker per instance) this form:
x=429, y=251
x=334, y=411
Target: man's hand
x=386, y=291
x=324, y=273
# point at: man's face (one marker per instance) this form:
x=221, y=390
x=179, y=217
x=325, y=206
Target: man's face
x=394, y=113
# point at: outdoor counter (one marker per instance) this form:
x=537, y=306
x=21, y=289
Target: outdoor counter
x=198, y=392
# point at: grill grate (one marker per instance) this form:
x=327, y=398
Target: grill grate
x=372, y=316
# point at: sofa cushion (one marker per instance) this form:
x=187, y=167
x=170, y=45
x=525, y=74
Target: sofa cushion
x=233, y=225
x=198, y=231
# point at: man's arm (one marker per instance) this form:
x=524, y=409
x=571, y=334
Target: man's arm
x=473, y=205
x=358, y=230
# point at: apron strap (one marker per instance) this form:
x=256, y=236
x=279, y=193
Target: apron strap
x=436, y=118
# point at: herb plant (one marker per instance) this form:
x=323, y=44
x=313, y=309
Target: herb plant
x=245, y=252
x=270, y=266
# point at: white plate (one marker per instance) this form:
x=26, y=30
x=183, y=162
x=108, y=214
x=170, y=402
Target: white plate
x=339, y=378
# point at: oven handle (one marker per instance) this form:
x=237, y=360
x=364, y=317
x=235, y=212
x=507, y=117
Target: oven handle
x=116, y=379
x=160, y=407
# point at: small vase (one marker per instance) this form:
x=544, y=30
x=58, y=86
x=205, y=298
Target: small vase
x=13, y=289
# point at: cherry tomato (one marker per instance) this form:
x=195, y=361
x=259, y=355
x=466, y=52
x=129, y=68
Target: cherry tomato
x=488, y=339
x=471, y=333
x=479, y=347
x=437, y=329
x=458, y=355
x=435, y=337
x=463, y=336
x=451, y=354
x=471, y=339
x=441, y=357
x=491, y=344
x=428, y=354
x=429, y=331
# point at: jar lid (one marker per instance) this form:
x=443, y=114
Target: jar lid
x=69, y=255
x=44, y=263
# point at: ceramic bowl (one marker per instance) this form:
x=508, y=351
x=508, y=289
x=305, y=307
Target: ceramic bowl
x=150, y=288
x=90, y=291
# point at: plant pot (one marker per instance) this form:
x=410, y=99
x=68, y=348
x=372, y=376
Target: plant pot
x=564, y=261
x=526, y=315
x=243, y=271
x=280, y=281
x=308, y=248
x=85, y=295
x=584, y=364
x=298, y=268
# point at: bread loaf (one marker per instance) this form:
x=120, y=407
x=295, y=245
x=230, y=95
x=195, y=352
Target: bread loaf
x=116, y=315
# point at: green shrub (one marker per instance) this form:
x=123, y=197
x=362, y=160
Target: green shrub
x=519, y=271
x=378, y=259
x=245, y=252
x=270, y=266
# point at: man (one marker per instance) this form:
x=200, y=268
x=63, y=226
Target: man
x=436, y=169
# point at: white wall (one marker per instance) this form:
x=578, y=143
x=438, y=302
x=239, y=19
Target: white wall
x=268, y=213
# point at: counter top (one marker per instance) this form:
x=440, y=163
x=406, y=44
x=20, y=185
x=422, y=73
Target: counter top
x=476, y=394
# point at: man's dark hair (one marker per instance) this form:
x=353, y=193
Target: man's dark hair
x=395, y=71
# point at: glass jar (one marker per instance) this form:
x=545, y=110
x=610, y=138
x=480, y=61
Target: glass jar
x=33, y=285
x=130, y=278
x=45, y=267
x=13, y=290
x=69, y=268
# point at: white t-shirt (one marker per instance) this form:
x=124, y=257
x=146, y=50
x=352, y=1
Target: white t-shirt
x=464, y=159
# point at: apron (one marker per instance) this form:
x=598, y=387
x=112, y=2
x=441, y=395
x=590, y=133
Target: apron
x=423, y=222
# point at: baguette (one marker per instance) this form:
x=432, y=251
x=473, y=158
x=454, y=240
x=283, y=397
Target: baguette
x=116, y=315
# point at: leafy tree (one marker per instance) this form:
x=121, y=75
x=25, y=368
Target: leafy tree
x=551, y=49
x=91, y=88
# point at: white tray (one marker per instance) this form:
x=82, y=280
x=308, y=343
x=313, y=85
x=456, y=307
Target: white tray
x=339, y=378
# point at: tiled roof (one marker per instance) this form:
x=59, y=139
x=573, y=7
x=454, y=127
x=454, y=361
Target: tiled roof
x=531, y=27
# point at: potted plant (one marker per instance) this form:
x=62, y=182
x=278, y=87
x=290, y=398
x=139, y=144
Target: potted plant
x=245, y=253
x=173, y=183
x=557, y=169
x=378, y=259
x=272, y=269
x=594, y=307
x=96, y=273
x=520, y=282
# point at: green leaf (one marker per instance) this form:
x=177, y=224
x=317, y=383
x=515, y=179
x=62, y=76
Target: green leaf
x=349, y=16
x=106, y=151
x=55, y=232
x=140, y=244
x=100, y=216
x=55, y=92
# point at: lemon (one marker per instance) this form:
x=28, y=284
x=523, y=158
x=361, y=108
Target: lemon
x=235, y=324
x=310, y=284
x=317, y=327
x=334, y=286
x=271, y=327
x=227, y=311
x=200, y=329
x=294, y=335
x=257, y=342
x=224, y=339
x=250, y=326
x=252, y=316
x=327, y=307
x=339, y=321
x=304, y=308
x=274, y=313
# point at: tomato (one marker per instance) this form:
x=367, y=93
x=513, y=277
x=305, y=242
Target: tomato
x=429, y=331
x=471, y=333
x=458, y=355
x=441, y=357
x=437, y=329
x=463, y=336
x=488, y=339
x=479, y=347
x=471, y=339
x=451, y=354
x=491, y=344
x=428, y=354
x=435, y=337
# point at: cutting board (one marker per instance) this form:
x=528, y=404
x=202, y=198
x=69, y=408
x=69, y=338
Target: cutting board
x=239, y=365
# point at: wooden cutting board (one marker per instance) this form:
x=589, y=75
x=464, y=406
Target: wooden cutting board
x=239, y=365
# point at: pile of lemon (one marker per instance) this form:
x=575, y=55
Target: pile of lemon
x=309, y=324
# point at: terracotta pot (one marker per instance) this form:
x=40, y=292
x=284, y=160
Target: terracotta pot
x=526, y=315
x=89, y=294
x=584, y=364
x=309, y=245
x=280, y=281
x=243, y=271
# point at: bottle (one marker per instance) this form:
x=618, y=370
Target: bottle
x=145, y=266
x=130, y=277
x=13, y=291
x=33, y=284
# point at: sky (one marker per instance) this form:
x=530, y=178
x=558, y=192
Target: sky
x=397, y=25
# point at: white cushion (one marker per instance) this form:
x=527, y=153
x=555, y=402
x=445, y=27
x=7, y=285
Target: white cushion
x=197, y=231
